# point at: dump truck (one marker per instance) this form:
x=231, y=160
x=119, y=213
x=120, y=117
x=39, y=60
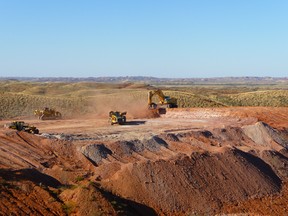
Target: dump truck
x=22, y=126
x=116, y=117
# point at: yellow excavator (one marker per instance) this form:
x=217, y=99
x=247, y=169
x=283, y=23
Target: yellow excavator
x=164, y=101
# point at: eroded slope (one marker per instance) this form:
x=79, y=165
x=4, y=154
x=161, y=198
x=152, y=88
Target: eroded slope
x=189, y=161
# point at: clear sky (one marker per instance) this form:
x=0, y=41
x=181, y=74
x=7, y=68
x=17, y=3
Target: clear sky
x=160, y=38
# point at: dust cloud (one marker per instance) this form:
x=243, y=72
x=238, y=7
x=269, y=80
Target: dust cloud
x=135, y=108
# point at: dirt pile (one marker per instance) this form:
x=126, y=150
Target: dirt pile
x=269, y=205
x=21, y=196
x=205, y=161
x=264, y=135
x=198, y=184
x=95, y=152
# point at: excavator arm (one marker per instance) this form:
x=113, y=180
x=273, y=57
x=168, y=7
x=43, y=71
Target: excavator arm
x=157, y=92
x=163, y=100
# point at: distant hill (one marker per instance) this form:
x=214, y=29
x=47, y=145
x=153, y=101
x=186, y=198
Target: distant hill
x=154, y=80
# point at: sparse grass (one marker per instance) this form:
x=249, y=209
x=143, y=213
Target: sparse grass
x=14, y=104
x=68, y=207
x=74, y=99
x=271, y=98
x=119, y=207
x=79, y=178
x=66, y=187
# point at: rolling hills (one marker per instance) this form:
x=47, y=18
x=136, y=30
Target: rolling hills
x=20, y=98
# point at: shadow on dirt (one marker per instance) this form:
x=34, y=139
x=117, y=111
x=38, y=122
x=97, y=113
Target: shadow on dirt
x=127, y=207
x=135, y=122
x=262, y=166
x=31, y=175
x=95, y=153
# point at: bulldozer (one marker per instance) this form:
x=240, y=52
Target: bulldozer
x=22, y=126
x=47, y=114
x=116, y=117
x=164, y=101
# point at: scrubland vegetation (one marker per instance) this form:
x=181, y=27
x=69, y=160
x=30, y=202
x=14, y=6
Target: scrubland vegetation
x=18, y=98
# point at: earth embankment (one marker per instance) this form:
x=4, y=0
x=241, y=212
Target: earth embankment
x=188, y=161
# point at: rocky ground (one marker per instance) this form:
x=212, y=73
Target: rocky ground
x=187, y=162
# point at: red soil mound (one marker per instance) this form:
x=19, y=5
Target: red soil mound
x=188, y=161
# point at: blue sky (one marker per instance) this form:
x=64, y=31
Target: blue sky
x=160, y=38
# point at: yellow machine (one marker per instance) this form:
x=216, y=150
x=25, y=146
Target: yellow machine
x=47, y=113
x=164, y=101
x=22, y=126
x=116, y=117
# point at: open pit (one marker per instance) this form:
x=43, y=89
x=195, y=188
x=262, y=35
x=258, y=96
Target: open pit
x=187, y=162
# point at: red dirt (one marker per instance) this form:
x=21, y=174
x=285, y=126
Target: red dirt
x=188, y=161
